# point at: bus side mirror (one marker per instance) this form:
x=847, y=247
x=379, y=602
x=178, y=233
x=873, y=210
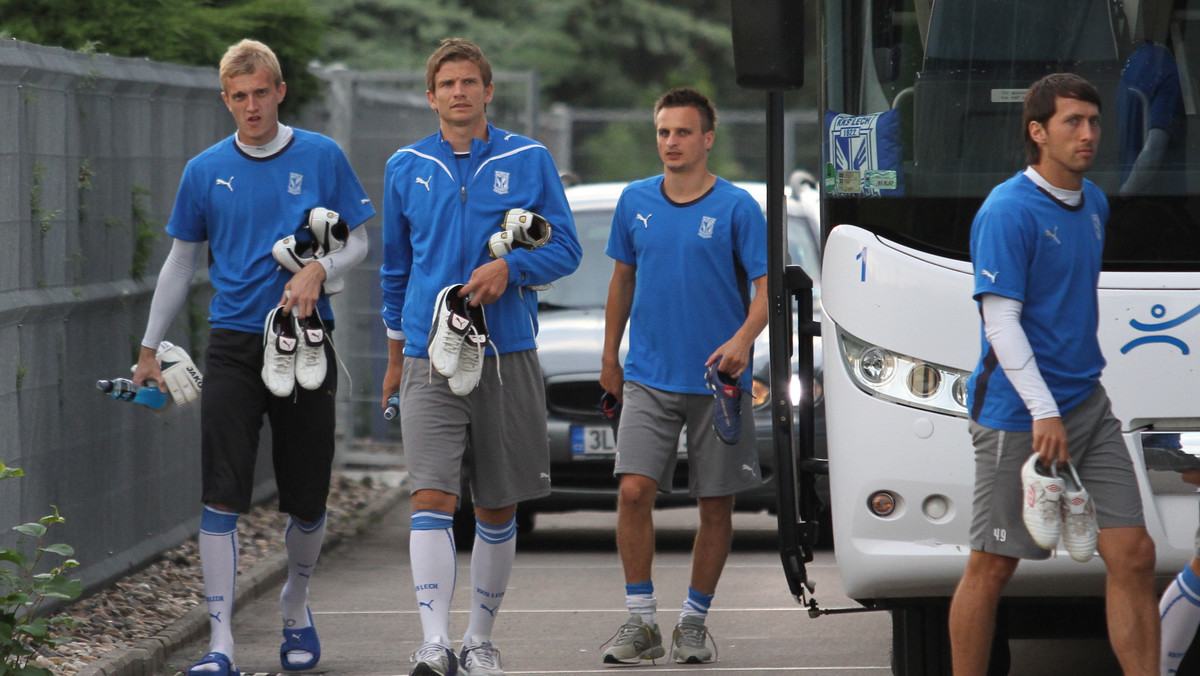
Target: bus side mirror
x=768, y=43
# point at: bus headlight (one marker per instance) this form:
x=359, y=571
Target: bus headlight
x=959, y=390
x=903, y=379
x=924, y=380
x=875, y=365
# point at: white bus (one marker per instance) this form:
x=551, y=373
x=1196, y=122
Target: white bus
x=924, y=101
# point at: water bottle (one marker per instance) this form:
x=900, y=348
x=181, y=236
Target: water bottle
x=393, y=406
x=123, y=389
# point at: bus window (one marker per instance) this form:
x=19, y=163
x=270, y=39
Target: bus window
x=927, y=98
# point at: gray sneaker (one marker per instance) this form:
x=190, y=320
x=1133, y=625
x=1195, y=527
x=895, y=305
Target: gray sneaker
x=481, y=658
x=434, y=659
x=633, y=642
x=689, y=642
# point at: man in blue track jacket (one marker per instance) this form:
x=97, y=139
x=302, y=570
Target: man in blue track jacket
x=446, y=198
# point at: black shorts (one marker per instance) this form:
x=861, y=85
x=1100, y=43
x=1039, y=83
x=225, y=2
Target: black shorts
x=231, y=415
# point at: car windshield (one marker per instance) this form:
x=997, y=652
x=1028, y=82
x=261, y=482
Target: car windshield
x=588, y=286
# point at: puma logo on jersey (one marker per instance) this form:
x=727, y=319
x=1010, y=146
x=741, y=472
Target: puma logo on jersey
x=425, y=181
x=989, y=275
x=1053, y=235
x=227, y=184
x=364, y=200
x=508, y=136
x=645, y=220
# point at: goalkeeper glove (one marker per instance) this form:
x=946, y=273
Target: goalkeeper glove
x=179, y=372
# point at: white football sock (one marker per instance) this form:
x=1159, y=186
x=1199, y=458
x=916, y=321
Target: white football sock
x=431, y=551
x=303, y=544
x=640, y=600
x=218, y=545
x=492, y=558
x=1179, y=609
x=696, y=605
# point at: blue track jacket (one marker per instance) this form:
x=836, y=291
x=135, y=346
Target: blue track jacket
x=438, y=213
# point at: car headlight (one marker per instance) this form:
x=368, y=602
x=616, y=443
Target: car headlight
x=903, y=379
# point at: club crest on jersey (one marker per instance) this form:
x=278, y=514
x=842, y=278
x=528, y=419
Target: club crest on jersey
x=294, y=183
x=706, y=227
x=500, y=184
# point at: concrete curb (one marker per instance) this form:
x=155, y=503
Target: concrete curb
x=150, y=655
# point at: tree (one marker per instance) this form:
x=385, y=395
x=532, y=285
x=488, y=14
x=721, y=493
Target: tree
x=195, y=32
x=592, y=53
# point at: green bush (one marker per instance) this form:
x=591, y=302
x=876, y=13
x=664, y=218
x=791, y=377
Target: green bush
x=23, y=591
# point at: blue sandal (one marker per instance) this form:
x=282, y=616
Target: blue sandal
x=300, y=639
x=227, y=668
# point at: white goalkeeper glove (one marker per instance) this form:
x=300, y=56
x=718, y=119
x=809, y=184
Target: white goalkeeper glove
x=179, y=372
x=528, y=230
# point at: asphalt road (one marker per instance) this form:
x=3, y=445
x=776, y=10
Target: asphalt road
x=566, y=598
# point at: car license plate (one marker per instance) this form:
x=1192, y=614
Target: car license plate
x=600, y=440
x=592, y=440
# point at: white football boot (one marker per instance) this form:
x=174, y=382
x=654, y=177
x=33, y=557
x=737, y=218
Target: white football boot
x=310, y=352
x=1042, y=497
x=279, y=353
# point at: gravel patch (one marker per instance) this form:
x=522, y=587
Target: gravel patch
x=143, y=604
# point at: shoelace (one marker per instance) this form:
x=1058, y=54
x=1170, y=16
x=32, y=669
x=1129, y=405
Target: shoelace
x=336, y=356
x=695, y=636
x=469, y=359
x=310, y=357
x=692, y=635
x=1077, y=524
x=626, y=633
x=483, y=655
x=1049, y=511
x=429, y=652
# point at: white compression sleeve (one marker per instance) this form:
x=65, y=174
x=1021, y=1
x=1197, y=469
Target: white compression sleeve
x=1002, y=326
x=171, y=291
x=338, y=263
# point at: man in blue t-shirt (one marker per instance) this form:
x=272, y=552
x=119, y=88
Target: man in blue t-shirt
x=236, y=200
x=688, y=247
x=1035, y=398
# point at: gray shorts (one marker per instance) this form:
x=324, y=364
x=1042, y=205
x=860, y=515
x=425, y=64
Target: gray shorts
x=1099, y=454
x=647, y=442
x=499, y=429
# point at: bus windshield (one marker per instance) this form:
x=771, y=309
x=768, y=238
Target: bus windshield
x=923, y=115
